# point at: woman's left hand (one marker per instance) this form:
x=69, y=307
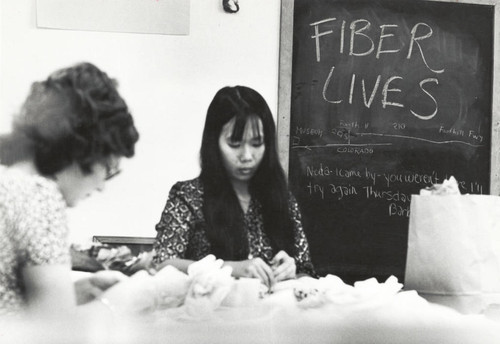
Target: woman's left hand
x=89, y=288
x=283, y=266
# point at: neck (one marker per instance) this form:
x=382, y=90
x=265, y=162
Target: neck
x=241, y=188
x=242, y=193
x=25, y=166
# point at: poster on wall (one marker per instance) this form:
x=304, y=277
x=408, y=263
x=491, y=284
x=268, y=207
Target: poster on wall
x=168, y=17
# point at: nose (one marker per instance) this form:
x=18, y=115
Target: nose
x=246, y=154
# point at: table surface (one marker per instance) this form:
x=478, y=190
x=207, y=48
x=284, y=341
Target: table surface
x=373, y=317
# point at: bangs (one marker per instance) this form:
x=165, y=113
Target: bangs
x=240, y=124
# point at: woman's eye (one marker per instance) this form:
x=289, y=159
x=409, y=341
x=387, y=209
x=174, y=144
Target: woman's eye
x=257, y=143
x=233, y=144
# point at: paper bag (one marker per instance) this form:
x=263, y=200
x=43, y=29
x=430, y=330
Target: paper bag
x=454, y=250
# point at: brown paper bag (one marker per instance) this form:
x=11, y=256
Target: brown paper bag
x=454, y=250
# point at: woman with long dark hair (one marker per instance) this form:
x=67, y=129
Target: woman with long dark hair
x=239, y=208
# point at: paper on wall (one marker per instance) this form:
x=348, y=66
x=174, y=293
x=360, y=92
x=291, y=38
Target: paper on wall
x=133, y=16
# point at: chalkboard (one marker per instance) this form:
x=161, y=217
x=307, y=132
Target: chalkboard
x=379, y=99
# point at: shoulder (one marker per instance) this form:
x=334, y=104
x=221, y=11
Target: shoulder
x=188, y=190
x=187, y=185
x=191, y=186
x=18, y=188
x=35, y=214
x=185, y=197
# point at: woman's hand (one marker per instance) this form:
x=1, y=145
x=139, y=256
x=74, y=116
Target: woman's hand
x=255, y=267
x=283, y=266
x=89, y=288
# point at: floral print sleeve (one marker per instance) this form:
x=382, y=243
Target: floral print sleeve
x=302, y=255
x=175, y=226
x=40, y=224
x=43, y=230
x=33, y=231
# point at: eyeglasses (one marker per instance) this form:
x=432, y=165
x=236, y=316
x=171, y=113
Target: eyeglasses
x=112, y=171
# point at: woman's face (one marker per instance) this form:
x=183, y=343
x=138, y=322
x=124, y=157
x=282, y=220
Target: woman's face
x=75, y=185
x=242, y=158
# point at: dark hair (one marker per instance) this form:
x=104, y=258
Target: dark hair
x=76, y=115
x=268, y=186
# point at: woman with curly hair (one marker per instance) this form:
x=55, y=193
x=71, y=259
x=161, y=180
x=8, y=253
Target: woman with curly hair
x=67, y=140
x=239, y=208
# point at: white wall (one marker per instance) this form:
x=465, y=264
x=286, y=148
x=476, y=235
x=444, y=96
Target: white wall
x=168, y=82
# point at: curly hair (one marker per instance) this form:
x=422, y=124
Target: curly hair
x=75, y=115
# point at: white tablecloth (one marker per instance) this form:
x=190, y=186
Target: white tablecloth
x=378, y=314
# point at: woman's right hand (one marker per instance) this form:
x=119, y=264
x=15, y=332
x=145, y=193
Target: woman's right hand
x=255, y=268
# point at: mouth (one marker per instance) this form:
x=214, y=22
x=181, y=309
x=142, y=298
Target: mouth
x=245, y=171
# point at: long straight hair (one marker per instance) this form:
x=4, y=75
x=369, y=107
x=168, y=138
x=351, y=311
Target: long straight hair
x=222, y=211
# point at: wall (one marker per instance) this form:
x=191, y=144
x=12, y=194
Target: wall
x=168, y=82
